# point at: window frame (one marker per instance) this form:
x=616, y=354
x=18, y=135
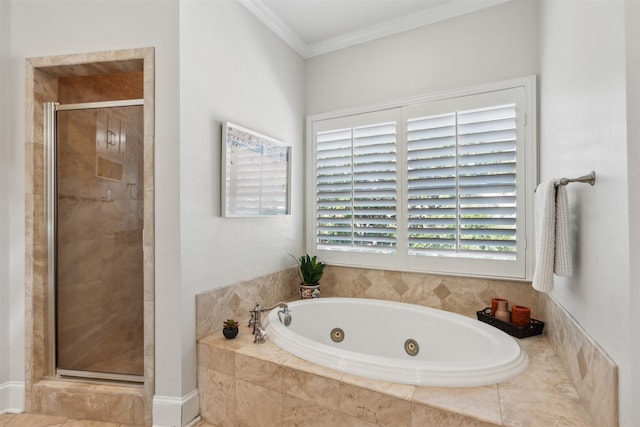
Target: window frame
x=521, y=269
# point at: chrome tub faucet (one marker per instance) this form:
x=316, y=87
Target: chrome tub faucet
x=255, y=319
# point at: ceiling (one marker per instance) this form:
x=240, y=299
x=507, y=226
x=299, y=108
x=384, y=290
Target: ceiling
x=315, y=27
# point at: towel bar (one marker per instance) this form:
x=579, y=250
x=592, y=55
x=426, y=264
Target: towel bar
x=589, y=178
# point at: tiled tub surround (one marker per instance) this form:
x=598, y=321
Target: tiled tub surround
x=235, y=301
x=586, y=365
x=457, y=294
x=242, y=383
x=462, y=295
x=592, y=371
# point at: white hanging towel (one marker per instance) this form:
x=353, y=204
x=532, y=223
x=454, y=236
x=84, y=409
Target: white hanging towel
x=553, y=252
x=563, y=263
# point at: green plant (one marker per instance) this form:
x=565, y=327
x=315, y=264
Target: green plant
x=230, y=324
x=310, y=269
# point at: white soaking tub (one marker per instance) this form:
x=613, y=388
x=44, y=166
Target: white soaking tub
x=448, y=350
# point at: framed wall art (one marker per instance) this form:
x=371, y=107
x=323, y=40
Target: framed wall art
x=256, y=174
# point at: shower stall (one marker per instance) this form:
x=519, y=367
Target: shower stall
x=95, y=221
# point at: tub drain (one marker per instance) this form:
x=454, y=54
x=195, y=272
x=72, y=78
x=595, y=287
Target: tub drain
x=411, y=347
x=337, y=334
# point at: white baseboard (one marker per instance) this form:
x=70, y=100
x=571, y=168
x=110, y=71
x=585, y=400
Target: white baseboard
x=175, y=411
x=12, y=397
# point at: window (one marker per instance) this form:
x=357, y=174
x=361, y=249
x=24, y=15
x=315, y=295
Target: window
x=440, y=184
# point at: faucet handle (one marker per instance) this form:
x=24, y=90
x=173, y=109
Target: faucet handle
x=252, y=318
x=260, y=334
x=256, y=321
x=254, y=314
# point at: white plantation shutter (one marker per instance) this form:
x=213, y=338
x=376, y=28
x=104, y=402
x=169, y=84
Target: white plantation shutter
x=432, y=195
x=334, y=188
x=462, y=183
x=356, y=187
x=435, y=185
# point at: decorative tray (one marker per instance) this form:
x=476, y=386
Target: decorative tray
x=533, y=328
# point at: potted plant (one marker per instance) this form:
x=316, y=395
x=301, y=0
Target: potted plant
x=310, y=271
x=230, y=329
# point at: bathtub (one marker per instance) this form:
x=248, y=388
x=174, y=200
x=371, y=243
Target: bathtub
x=397, y=342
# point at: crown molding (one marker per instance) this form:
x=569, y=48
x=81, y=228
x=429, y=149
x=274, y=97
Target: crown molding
x=394, y=26
x=275, y=24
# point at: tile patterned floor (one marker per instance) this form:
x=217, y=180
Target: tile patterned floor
x=35, y=420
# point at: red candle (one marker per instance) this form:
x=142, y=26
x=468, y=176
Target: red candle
x=520, y=315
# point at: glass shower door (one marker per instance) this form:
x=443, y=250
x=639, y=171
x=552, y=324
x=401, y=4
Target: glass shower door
x=98, y=235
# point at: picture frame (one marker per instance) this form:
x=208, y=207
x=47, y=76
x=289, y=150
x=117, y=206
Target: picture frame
x=255, y=174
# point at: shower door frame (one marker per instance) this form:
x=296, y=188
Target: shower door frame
x=51, y=167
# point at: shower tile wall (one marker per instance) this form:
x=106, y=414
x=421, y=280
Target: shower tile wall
x=100, y=221
x=78, y=78
x=98, y=88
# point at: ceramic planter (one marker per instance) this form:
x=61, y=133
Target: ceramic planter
x=230, y=333
x=309, y=291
